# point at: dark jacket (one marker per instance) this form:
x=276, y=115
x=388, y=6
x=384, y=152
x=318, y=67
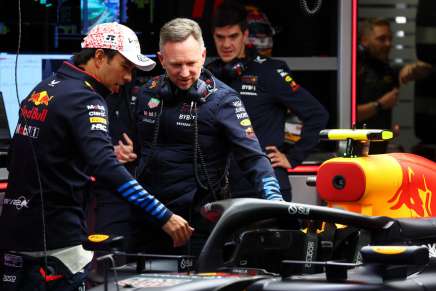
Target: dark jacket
x=60, y=141
x=223, y=127
x=268, y=90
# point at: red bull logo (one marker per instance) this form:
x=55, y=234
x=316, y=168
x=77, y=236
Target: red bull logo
x=40, y=98
x=416, y=190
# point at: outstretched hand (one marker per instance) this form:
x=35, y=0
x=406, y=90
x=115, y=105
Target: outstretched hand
x=124, y=150
x=178, y=229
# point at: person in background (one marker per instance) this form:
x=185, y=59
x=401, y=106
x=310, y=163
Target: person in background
x=268, y=91
x=260, y=31
x=60, y=141
x=378, y=82
x=188, y=123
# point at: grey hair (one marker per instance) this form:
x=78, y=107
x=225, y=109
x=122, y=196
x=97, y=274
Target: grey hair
x=179, y=29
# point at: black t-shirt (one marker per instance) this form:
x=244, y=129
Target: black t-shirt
x=374, y=79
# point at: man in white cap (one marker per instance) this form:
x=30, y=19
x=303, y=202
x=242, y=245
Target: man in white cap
x=60, y=141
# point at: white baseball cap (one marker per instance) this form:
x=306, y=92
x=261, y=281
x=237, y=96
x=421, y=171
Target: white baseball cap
x=120, y=38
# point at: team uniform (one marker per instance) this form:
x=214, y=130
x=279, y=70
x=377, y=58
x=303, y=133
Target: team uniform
x=268, y=90
x=60, y=141
x=172, y=125
x=375, y=78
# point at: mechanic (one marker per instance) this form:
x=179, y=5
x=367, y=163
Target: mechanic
x=378, y=82
x=188, y=123
x=268, y=90
x=61, y=139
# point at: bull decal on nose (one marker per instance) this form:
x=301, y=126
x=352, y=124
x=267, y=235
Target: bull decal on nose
x=415, y=193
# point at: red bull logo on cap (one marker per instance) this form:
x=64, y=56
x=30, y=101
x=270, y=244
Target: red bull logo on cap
x=39, y=98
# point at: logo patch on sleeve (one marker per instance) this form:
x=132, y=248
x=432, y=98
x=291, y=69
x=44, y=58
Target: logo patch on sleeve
x=40, y=98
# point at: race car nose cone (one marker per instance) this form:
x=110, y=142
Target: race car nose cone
x=341, y=182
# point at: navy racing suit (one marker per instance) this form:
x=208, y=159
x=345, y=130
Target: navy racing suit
x=268, y=90
x=62, y=139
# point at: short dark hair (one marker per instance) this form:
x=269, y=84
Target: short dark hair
x=230, y=13
x=368, y=25
x=86, y=54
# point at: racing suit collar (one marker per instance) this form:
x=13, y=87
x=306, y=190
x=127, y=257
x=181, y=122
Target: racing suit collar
x=72, y=71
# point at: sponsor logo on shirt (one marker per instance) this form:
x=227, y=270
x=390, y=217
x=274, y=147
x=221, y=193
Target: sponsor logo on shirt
x=248, y=85
x=153, y=103
x=19, y=203
x=149, y=116
x=288, y=79
x=99, y=126
x=97, y=117
x=27, y=130
x=34, y=113
x=97, y=113
x=13, y=261
x=183, y=118
x=259, y=59
x=245, y=122
x=249, y=79
x=242, y=115
x=240, y=110
x=53, y=83
x=95, y=107
x=98, y=120
x=9, y=278
x=39, y=98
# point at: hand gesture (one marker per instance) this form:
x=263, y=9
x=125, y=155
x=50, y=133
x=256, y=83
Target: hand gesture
x=124, y=151
x=178, y=229
x=411, y=72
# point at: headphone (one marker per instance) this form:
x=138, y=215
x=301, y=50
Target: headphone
x=198, y=92
x=233, y=69
x=229, y=71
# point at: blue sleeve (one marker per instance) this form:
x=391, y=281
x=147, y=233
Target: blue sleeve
x=90, y=128
x=246, y=149
x=304, y=105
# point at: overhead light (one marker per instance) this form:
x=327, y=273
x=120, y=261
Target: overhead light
x=401, y=19
x=400, y=33
x=399, y=46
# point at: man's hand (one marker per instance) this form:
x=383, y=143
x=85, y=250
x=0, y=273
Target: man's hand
x=411, y=72
x=278, y=159
x=389, y=100
x=124, y=151
x=178, y=229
